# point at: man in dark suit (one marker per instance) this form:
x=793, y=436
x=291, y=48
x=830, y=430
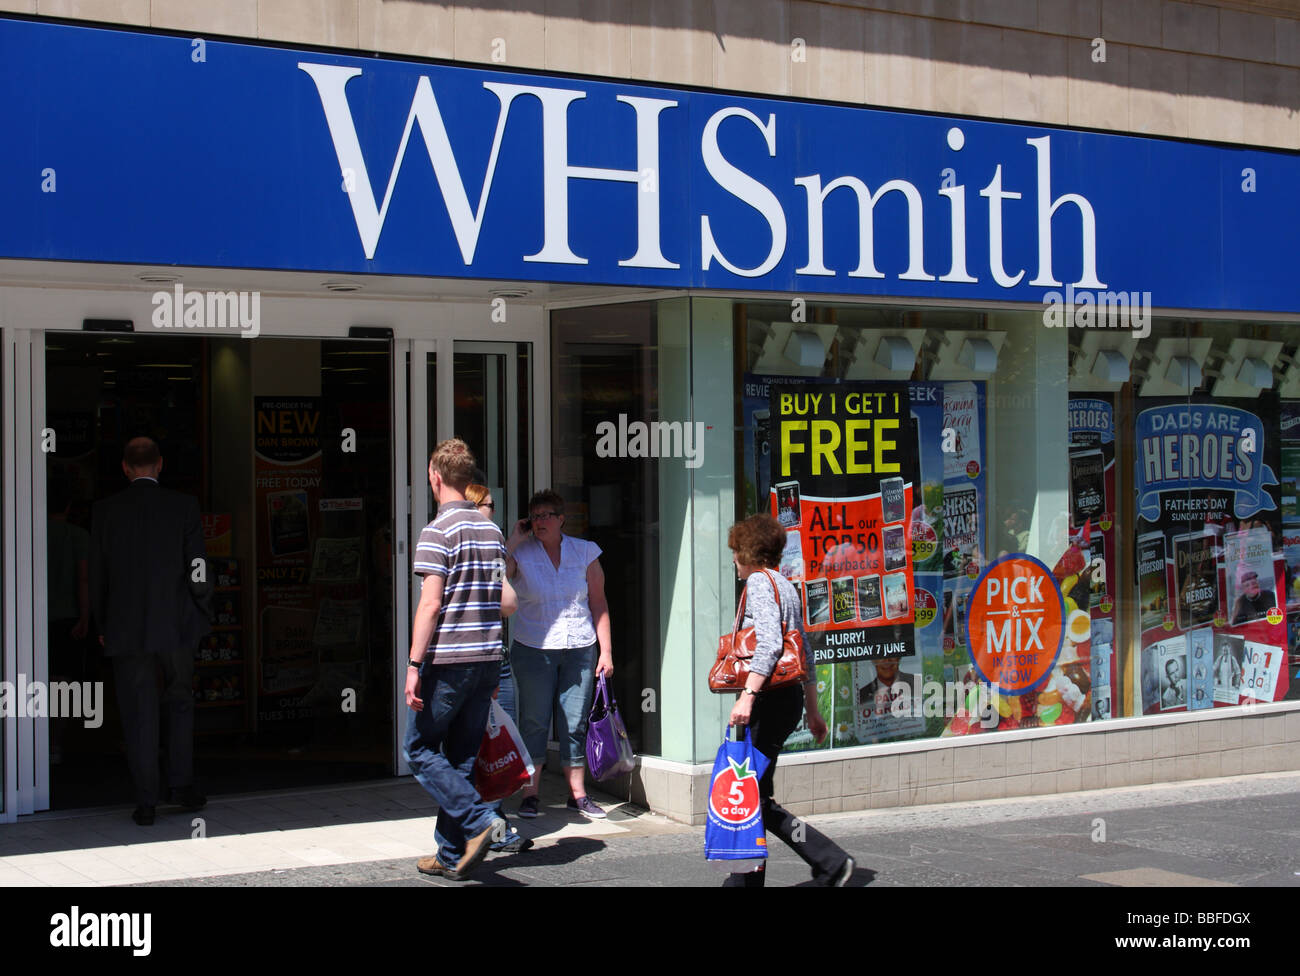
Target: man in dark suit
x=151, y=598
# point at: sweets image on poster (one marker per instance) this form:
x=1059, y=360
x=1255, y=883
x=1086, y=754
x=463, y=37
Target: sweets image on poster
x=1248, y=566
x=1153, y=579
x=1200, y=664
x=1228, y=668
x=1196, y=576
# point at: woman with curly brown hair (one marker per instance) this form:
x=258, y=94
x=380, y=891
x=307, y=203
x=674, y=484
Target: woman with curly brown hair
x=772, y=606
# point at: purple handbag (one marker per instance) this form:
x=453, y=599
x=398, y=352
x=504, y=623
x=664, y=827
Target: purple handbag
x=609, y=752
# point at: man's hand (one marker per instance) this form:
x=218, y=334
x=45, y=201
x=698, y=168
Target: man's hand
x=605, y=666
x=80, y=629
x=413, y=700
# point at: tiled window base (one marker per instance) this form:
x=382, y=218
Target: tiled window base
x=1123, y=752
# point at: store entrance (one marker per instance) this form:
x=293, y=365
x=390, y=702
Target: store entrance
x=287, y=445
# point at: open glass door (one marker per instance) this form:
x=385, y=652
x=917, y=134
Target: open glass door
x=480, y=392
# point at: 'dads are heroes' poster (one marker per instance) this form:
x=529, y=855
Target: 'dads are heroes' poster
x=1211, y=570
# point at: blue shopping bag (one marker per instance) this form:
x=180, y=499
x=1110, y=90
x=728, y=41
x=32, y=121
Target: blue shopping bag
x=734, y=832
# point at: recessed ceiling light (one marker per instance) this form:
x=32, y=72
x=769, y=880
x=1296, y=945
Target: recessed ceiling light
x=158, y=277
x=510, y=292
x=341, y=287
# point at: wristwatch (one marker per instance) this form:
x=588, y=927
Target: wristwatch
x=414, y=664
x=751, y=693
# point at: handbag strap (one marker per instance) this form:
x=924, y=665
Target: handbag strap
x=740, y=611
x=780, y=616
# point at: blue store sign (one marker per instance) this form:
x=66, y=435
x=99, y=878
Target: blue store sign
x=125, y=147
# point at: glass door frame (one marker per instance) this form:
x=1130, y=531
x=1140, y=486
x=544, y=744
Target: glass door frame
x=411, y=426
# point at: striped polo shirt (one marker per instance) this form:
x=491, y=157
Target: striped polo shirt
x=468, y=552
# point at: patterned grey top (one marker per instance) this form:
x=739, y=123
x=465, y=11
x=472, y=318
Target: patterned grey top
x=761, y=613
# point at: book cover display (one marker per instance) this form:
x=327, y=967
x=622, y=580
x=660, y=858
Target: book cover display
x=1211, y=559
x=1290, y=428
x=1091, y=432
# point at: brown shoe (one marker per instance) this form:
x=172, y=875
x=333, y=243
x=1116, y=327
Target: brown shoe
x=478, y=845
x=431, y=865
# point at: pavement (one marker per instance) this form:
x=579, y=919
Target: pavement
x=1234, y=831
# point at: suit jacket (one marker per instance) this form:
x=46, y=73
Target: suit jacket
x=867, y=693
x=143, y=543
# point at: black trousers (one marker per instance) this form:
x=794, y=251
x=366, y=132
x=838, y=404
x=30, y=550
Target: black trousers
x=139, y=678
x=775, y=715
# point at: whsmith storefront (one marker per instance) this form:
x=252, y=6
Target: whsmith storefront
x=1026, y=400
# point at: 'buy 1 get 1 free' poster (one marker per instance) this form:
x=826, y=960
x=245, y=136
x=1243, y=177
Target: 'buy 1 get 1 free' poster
x=843, y=477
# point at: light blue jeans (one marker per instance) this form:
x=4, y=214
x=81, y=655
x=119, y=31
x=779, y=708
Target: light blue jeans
x=555, y=684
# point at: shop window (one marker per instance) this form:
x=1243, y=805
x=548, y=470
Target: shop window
x=1155, y=478
x=1214, y=442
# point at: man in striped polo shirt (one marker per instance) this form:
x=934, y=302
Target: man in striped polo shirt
x=455, y=661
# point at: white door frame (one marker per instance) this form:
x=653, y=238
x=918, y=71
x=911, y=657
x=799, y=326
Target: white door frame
x=419, y=438
x=26, y=739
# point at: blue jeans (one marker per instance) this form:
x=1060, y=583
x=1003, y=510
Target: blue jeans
x=554, y=683
x=442, y=741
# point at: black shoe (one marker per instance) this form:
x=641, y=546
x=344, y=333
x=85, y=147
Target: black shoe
x=514, y=843
x=143, y=816
x=189, y=799
x=841, y=876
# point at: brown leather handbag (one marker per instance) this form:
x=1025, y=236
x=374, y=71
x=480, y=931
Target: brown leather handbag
x=736, y=650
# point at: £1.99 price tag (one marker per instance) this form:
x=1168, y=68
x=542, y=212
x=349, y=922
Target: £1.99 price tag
x=1015, y=623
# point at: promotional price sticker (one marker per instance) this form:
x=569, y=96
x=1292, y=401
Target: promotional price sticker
x=1015, y=623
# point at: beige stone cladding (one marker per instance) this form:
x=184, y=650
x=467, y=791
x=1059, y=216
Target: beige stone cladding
x=1221, y=71
x=1125, y=752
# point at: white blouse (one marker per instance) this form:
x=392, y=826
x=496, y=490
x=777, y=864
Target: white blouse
x=553, y=611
